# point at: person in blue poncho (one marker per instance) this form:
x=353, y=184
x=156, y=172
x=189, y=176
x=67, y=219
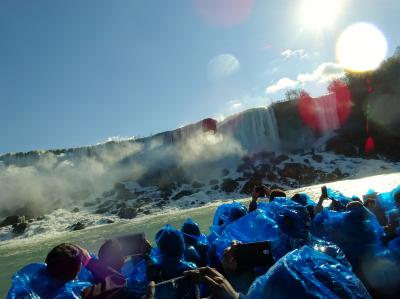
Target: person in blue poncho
x=304, y=273
x=171, y=265
x=52, y=279
x=393, y=228
x=56, y=279
x=195, y=251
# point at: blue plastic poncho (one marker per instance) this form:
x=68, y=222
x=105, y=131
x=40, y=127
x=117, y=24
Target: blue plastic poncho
x=33, y=282
x=339, y=197
x=254, y=227
x=228, y=212
x=171, y=263
x=356, y=232
x=171, y=249
x=306, y=274
x=292, y=218
x=387, y=202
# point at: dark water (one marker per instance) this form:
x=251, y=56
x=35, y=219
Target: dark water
x=16, y=255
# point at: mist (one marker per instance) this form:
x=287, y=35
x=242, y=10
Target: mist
x=63, y=180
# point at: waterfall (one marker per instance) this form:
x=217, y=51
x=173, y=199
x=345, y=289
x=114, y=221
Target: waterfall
x=255, y=129
x=327, y=113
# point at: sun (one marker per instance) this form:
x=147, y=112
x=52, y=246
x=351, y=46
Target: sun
x=361, y=47
x=320, y=14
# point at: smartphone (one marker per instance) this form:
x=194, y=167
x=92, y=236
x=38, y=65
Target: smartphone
x=249, y=255
x=324, y=191
x=132, y=244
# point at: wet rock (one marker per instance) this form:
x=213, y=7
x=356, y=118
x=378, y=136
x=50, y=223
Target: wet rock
x=182, y=194
x=294, y=171
x=317, y=158
x=229, y=185
x=247, y=174
x=165, y=176
x=19, y=228
x=213, y=182
x=225, y=172
x=77, y=226
x=75, y=210
x=40, y=218
x=103, y=210
x=272, y=177
x=277, y=186
x=107, y=221
x=244, y=167
x=160, y=205
x=125, y=194
x=120, y=205
x=109, y=193
x=215, y=187
x=254, y=181
x=338, y=172
x=240, y=179
x=12, y=220
x=167, y=189
x=146, y=212
x=127, y=213
x=197, y=185
x=344, y=146
x=280, y=159
x=145, y=200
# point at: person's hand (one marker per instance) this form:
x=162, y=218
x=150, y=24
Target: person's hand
x=84, y=255
x=321, y=199
x=150, y=291
x=146, y=247
x=229, y=262
x=219, y=286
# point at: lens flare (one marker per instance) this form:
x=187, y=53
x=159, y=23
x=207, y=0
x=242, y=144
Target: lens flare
x=329, y=112
x=369, y=146
x=318, y=14
x=361, y=47
x=224, y=13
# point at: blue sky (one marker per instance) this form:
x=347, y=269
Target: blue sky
x=77, y=72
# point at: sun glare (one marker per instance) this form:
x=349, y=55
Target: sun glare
x=361, y=47
x=319, y=14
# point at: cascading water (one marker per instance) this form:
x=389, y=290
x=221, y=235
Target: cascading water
x=327, y=117
x=254, y=129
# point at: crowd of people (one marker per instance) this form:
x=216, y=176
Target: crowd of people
x=339, y=247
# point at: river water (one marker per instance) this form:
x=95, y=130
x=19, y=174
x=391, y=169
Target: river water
x=14, y=255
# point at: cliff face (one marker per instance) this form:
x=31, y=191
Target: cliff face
x=275, y=128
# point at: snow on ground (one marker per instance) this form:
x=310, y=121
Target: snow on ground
x=363, y=175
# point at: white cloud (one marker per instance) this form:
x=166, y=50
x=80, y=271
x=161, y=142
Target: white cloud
x=293, y=53
x=284, y=83
x=222, y=66
x=235, y=104
x=323, y=73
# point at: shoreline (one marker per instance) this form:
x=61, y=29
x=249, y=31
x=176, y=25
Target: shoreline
x=172, y=211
